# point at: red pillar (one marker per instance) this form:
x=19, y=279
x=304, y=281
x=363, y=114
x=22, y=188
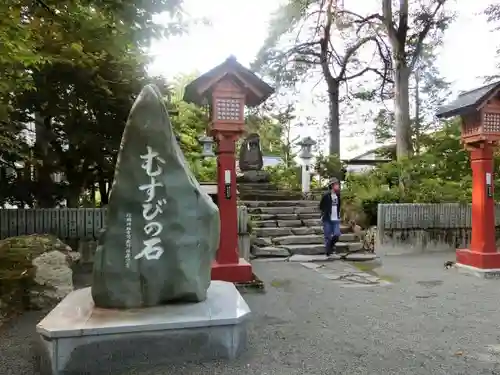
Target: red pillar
x=482, y=252
x=228, y=266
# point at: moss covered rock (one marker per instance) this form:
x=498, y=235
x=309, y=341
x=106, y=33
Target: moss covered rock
x=35, y=271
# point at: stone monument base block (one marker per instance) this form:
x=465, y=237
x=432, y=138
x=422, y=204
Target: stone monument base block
x=240, y=272
x=254, y=176
x=79, y=338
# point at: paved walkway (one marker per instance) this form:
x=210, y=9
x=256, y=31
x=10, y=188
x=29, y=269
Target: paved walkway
x=427, y=321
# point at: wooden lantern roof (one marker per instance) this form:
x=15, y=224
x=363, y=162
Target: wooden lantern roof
x=255, y=89
x=469, y=101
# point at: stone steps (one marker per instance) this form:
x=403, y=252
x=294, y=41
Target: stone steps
x=291, y=231
x=288, y=227
x=303, y=249
x=286, y=210
x=283, y=216
x=265, y=192
x=302, y=203
x=301, y=239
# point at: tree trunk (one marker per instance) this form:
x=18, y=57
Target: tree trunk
x=44, y=191
x=402, y=110
x=333, y=118
x=103, y=191
x=417, y=112
x=73, y=198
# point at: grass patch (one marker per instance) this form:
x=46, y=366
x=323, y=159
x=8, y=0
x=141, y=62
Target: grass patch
x=254, y=286
x=370, y=267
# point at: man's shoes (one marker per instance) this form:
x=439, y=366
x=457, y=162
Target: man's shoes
x=333, y=250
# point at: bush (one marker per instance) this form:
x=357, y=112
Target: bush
x=285, y=178
x=329, y=166
x=440, y=175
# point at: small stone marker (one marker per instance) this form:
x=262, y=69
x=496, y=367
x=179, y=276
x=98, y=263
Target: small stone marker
x=162, y=231
x=250, y=158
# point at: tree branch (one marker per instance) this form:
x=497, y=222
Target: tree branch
x=388, y=22
x=403, y=22
x=324, y=43
x=423, y=34
x=349, y=53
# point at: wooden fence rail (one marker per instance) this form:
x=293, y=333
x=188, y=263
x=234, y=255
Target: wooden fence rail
x=80, y=227
x=413, y=227
x=69, y=223
x=418, y=215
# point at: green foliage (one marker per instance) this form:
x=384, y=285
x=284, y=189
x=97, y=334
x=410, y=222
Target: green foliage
x=493, y=14
x=286, y=178
x=440, y=173
x=329, y=166
x=274, y=126
x=73, y=68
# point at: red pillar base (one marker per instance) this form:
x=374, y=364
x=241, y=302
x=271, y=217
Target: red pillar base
x=240, y=272
x=480, y=260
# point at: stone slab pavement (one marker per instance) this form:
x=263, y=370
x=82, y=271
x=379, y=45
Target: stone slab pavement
x=428, y=321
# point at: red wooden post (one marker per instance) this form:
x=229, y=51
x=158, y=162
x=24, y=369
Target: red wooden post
x=482, y=251
x=480, y=113
x=227, y=89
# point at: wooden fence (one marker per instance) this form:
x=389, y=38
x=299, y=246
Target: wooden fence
x=408, y=227
x=81, y=226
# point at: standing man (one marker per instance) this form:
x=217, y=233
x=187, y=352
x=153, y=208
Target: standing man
x=330, y=215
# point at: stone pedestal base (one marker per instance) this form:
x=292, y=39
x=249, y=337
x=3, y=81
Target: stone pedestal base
x=254, y=176
x=240, y=272
x=78, y=338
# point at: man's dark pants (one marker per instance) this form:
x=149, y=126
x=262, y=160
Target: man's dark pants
x=331, y=231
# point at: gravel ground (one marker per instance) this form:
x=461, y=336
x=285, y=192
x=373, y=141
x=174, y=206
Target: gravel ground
x=430, y=321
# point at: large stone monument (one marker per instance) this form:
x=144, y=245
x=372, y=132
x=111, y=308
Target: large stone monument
x=162, y=231
x=151, y=299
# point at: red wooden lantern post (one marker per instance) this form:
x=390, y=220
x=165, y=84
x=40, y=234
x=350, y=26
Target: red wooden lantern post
x=480, y=113
x=227, y=89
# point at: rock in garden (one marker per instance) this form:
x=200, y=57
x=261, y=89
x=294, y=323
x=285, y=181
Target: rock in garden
x=162, y=231
x=35, y=271
x=53, y=277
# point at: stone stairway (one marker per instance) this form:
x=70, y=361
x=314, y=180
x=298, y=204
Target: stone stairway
x=265, y=191
x=289, y=227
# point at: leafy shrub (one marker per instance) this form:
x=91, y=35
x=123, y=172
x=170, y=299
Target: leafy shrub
x=441, y=174
x=328, y=166
x=285, y=178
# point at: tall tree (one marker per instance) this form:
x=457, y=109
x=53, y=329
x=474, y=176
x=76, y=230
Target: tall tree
x=323, y=41
x=427, y=91
x=407, y=28
x=493, y=14
x=84, y=89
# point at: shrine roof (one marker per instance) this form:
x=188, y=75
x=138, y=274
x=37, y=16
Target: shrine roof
x=230, y=65
x=468, y=101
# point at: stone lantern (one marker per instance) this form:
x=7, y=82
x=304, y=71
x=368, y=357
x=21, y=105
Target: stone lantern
x=306, y=156
x=479, y=111
x=207, y=146
x=226, y=90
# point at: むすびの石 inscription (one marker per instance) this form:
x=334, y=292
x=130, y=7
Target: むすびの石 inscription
x=162, y=230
